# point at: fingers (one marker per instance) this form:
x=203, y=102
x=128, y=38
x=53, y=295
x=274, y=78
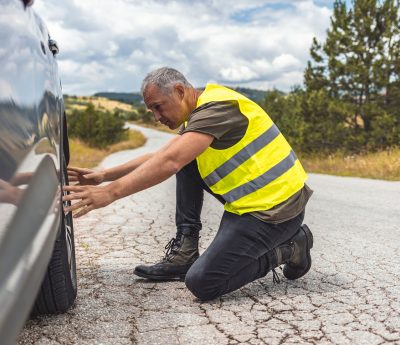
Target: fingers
x=88, y=198
x=84, y=176
x=77, y=205
x=78, y=192
x=74, y=188
x=72, y=178
x=79, y=170
x=92, y=175
x=83, y=211
x=82, y=208
x=74, y=196
x=72, y=173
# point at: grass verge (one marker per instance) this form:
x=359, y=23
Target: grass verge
x=81, y=155
x=384, y=165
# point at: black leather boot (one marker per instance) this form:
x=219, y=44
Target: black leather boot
x=295, y=254
x=181, y=253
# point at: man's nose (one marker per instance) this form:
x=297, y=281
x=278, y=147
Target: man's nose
x=157, y=115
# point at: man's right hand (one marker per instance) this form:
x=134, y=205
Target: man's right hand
x=85, y=176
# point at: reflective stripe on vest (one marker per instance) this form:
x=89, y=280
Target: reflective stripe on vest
x=243, y=155
x=261, y=181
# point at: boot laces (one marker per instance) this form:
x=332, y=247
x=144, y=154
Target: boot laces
x=171, y=248
x=275, y=277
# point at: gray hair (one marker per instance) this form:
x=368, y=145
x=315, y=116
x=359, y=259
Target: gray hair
x=164, y=78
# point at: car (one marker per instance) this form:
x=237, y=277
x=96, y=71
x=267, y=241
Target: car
x=37, y=251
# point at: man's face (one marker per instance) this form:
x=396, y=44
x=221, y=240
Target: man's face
x=169, y=108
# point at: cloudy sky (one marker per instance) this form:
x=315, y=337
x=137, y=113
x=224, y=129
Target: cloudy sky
x=111, y=45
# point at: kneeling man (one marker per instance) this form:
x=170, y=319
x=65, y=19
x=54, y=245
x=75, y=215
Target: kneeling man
x=229, y=147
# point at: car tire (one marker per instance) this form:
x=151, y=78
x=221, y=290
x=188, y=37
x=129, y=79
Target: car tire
x=59, y=286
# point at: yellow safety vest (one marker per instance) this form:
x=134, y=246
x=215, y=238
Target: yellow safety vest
x=258, y=172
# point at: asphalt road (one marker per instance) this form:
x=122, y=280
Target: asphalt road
x=350, y=296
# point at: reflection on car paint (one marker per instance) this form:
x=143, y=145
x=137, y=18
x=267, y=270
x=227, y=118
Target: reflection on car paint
x=29, y=96
x=36, y=239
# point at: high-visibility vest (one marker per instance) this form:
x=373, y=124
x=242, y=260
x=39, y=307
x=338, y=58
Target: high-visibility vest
x=258, y=172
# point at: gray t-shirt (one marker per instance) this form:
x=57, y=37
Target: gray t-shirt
x=225, y=122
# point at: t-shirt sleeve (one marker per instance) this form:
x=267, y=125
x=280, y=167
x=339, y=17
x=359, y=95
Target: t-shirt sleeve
x=213, y=118
x=181, y=129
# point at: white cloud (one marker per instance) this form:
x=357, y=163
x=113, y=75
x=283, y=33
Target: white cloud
x=285, y=61
x=112, y=45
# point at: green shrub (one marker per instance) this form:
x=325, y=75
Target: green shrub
x=129, y=115
x=144, y=114
x=97, y=128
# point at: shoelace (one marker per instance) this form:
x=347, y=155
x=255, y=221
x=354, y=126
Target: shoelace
x=169, y=248
x=275, y=277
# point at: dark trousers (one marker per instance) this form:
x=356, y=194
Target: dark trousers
x=242, y=248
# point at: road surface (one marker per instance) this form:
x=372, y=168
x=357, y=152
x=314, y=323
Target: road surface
x=350, y=296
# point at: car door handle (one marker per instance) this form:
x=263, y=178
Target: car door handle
x=53, y=46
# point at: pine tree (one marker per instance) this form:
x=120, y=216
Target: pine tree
x=359, y=64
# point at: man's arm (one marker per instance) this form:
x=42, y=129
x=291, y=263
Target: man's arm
x=119, y=171
x=86, y=176
x=162, y=164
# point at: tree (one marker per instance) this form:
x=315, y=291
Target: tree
x=285, y=111
x=359, y=64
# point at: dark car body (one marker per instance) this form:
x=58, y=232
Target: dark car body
x=37, y=262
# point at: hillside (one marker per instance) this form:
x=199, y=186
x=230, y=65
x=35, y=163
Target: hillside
x=255, y=95
x=135, y=98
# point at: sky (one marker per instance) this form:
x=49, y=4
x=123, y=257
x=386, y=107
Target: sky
x=112, y=45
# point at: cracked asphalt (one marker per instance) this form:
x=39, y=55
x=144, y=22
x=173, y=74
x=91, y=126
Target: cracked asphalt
x=350, y=296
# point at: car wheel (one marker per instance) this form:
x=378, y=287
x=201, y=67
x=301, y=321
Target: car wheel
x=59, y=287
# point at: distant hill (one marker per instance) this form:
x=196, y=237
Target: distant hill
x=135, y=98
x=255, y=95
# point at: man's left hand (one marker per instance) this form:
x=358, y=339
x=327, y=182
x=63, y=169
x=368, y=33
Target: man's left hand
x=89, y=198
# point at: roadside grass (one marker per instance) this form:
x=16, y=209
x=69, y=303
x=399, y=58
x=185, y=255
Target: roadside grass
x=384, y=165
x=81, y=155
x=80, y=102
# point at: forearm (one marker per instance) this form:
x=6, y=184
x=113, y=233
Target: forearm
x=119, y=171
x=124, y=169
x=155, y=170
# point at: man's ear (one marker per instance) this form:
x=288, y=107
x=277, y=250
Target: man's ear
x=180, y=90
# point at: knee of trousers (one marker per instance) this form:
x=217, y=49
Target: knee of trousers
x=198, y=282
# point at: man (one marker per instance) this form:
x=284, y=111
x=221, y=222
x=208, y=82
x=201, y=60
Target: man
x=229, y=147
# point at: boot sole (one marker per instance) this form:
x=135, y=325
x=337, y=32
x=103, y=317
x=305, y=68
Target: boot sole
x=309, y=245
x=159, y=278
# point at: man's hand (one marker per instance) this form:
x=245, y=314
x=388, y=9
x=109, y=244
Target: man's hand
x=85, y=177
x=89, y=198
